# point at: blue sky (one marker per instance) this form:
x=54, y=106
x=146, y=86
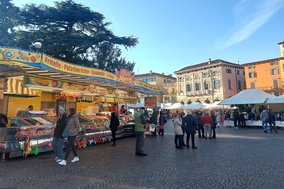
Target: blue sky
x=176, y=34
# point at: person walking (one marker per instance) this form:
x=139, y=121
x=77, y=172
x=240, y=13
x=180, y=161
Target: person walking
x=178, y=131
x=264, y=119
x=162, y=122
x=58, y=139
x=72, y=127
x=214, y=123
x=271, y=121
x=114, y=123
x=140, y=121
x=207, y=123
x=154, y=122
x=190, y=129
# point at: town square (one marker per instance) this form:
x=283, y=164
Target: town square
x=141, y=94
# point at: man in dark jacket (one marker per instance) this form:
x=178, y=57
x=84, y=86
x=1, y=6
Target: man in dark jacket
x=189, y=123
x=58, y=139
x=271, y=121
x=198, y=117
x=114, y=123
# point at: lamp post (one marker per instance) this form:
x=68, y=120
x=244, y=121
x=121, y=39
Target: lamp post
x=212, y=84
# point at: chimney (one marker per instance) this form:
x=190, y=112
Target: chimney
x=151, y=71
x=209, y=62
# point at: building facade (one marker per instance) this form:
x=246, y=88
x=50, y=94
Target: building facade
x=267, y=75
x=168, y=82
x=209, y=81
x=281, y=46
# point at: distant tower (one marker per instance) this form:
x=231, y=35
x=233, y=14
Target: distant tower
x=281, y=45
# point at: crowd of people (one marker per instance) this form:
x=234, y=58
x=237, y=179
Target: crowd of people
x=203, y=123
x=266, y=116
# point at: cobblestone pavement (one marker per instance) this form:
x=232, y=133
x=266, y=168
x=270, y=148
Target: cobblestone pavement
x=244, y=158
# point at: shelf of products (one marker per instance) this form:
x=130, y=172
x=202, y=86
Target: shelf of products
x=94, y=129
x=27, y=135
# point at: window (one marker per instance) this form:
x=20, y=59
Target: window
x=238, y=72
x=216, y=84
x=275, y=83
x=252, y=85
x=180, y=88
x=173, y=90
x=274, y=71
x=229, y=84
x=206, y=85
x=239, y=85
x=251, y=67
x=228, y=71
x=197, y=86
x=252, y=75
x=274, y=63
x=188, y=87
x=165, y=81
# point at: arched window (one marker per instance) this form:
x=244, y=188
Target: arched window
x=229, y=84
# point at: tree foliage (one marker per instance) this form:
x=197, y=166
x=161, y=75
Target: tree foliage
x=8, y=19
x=74, y=33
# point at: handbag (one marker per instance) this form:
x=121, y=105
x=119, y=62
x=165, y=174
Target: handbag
x=65, y=134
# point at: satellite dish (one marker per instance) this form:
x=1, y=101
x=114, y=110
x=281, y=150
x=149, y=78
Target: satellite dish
x=37, y=45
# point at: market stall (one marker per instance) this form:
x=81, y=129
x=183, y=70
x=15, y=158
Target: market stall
x=31, y=78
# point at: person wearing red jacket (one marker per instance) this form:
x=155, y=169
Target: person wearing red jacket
x=207, y=123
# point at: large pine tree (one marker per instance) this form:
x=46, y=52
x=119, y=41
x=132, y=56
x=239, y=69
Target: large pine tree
x=8, y=19
x=74, y=33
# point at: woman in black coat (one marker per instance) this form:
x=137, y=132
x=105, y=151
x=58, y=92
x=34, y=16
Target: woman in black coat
x=114, y=123
x=162, y=122
x=154, y=121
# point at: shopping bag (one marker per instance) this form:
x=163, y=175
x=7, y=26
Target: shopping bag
x=152, y=128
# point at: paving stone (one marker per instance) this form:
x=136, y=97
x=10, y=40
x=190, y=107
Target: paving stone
x=244, y=158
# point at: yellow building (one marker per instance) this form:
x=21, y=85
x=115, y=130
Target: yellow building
x=281, y=45
x=168, y=82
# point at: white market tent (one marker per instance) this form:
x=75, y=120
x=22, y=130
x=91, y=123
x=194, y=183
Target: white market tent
x=216, y=105
x=176, y=106
x=194, y=106
x=276, y=100
x=249, y=96
x=166, y=105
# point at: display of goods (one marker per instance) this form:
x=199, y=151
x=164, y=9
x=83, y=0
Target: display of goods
x=80, y=143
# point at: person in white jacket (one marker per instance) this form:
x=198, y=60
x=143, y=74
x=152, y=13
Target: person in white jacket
x=178, y=131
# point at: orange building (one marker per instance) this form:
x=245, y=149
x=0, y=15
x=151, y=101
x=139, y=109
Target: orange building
x=266, y=75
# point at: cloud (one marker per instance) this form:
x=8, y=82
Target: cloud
x=250, y=15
